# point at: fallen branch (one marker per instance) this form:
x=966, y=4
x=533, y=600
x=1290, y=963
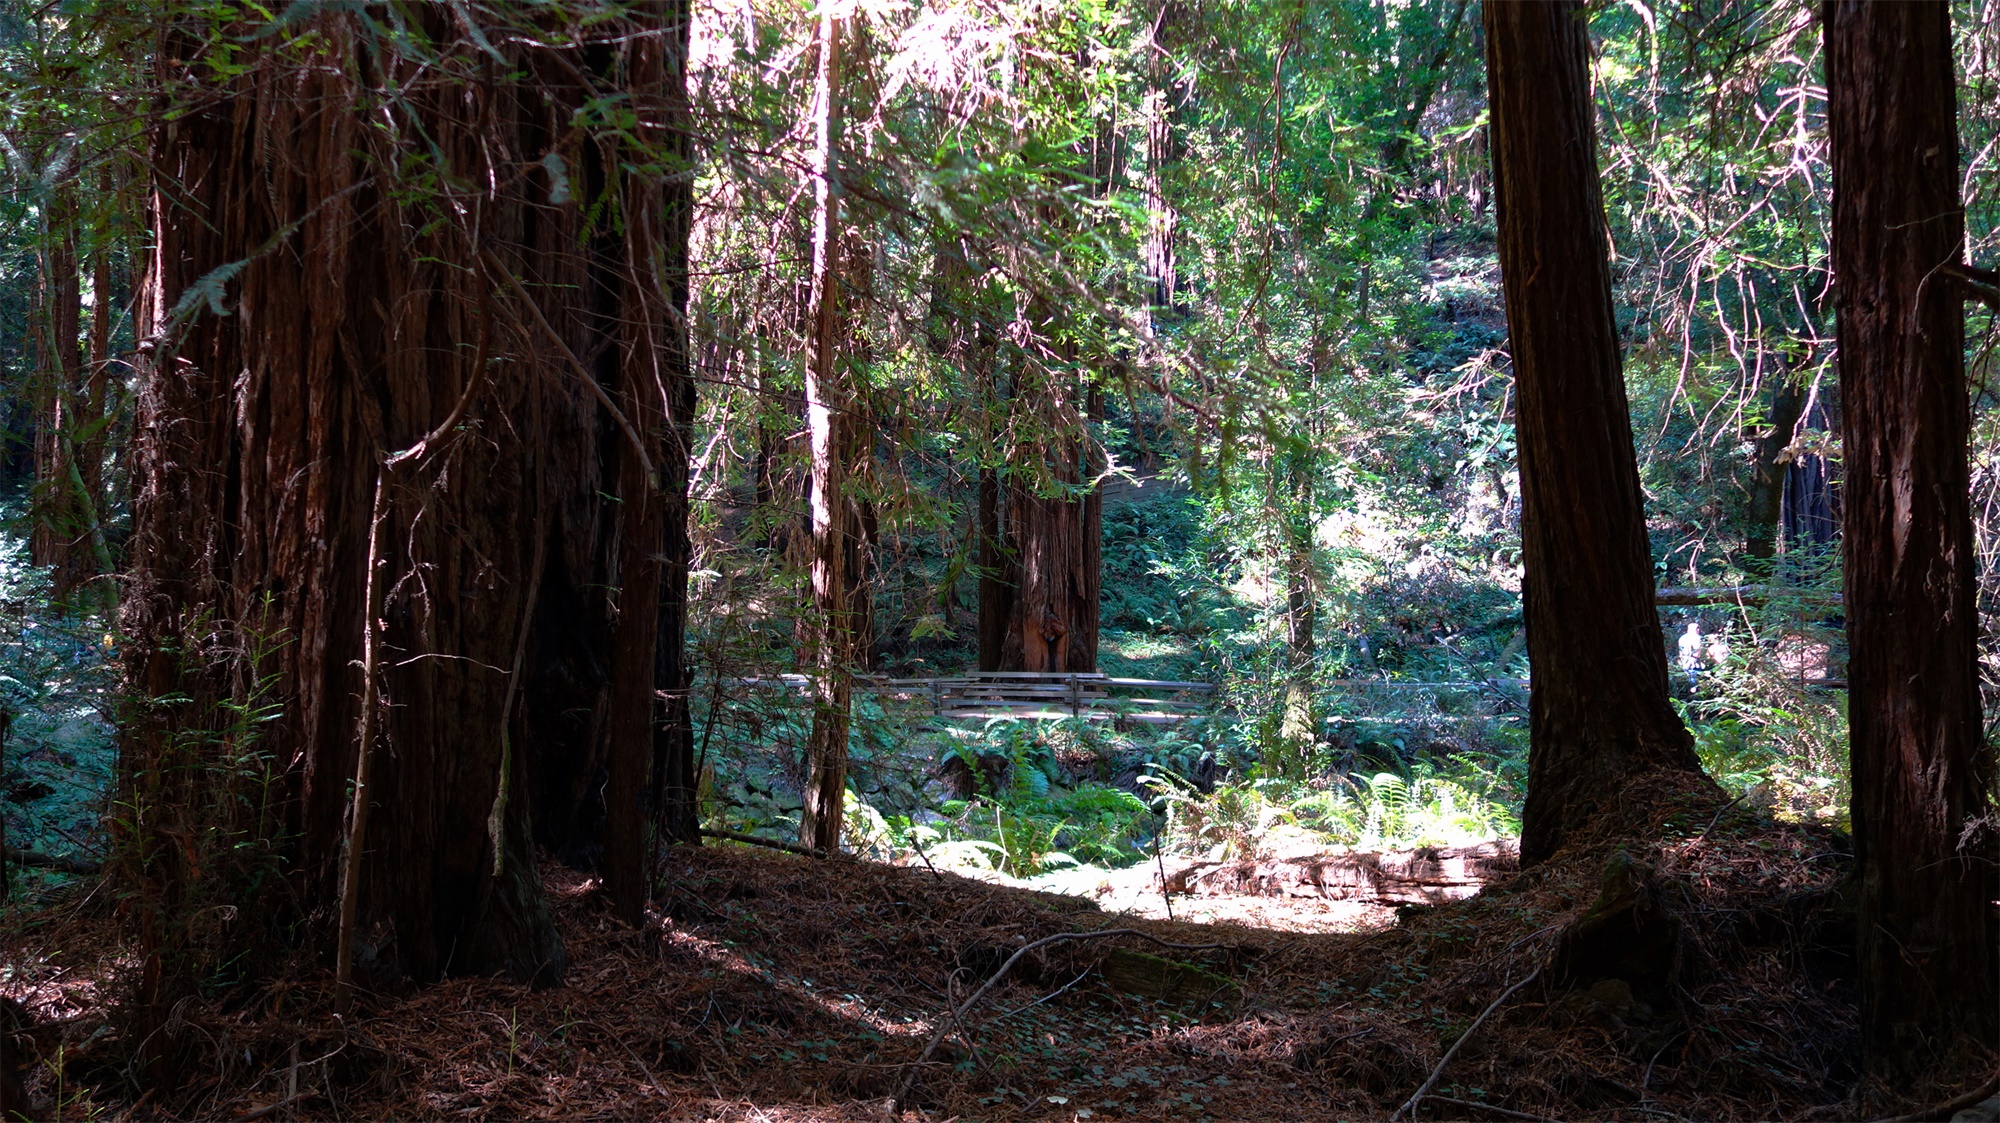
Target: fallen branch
x=1438, y=1072
x=48, y=861
x=1502, y=1112
x=1951, y=1107
x=775, y=844
x=958, y=1015
x=269, y=1109
x=650, y=1078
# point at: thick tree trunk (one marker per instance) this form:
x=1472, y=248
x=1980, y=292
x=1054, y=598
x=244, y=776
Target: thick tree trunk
x=642, y=365
x=1052, y=618
x=458, y=359
x=1052, y=521
x=830, y=640
x=1599, y=709
x=1924, y=849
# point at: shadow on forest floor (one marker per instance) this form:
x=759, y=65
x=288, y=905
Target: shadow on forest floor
x=775, y=987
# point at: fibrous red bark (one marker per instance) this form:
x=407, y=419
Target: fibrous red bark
x=1922, y=768
x=1599, y=708
x=416, y=288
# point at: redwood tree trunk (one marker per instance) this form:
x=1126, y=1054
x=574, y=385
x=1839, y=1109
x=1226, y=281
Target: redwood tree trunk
x=60, y=525
x=1921, y=767
x=1052, y=523
x=452, y=347
x=674, y=784
x=1598, y=712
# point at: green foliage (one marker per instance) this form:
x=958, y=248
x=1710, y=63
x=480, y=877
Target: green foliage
x=58, y=685
x=1386, y=811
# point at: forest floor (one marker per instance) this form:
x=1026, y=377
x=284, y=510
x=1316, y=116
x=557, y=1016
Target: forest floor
x=1701, y=975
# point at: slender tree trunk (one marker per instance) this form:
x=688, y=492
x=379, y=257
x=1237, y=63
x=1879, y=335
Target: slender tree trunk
x=996, y=576
x=60, y=526
x=97, y=405
x=1924, y=848
x=674, y=794
x=1168, y=93
x=827, y=421
x=1300, y=725
x=1599, y=709
x=1767, y=472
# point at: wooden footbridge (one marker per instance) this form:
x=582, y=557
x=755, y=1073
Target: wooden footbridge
x=1026, y=696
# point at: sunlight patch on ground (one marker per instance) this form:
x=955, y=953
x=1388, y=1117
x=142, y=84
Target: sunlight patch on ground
x=1135, y=891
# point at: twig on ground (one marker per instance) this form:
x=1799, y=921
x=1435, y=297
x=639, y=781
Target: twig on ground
x=919, y=848
x=1037, y=1002
x=653, y=1080
x=958, y=1015
x=1503, y=1112
x=1718, y=818
x=1436, y=1073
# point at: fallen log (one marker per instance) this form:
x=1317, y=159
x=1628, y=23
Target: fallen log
x=1691, y=595
x=1424, y=876
x=47, y=861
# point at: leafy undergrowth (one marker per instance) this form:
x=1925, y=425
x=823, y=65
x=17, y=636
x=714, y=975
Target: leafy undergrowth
x=768, y=986
x=58, y=689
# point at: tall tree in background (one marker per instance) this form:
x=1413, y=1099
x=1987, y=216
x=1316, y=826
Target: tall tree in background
x=1050, y=529
x=1921, y=765
x=1599, y=712
x=673, y=779
x=829, y=421
x=71, y=389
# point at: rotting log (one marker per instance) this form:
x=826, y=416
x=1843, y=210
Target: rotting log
x=1153, y=976
x=1424, y=876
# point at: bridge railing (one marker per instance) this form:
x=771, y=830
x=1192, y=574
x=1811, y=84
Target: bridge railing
x=1027, y=695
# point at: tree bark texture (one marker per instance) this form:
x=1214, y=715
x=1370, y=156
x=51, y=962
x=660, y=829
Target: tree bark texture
x=674, y=795
x=828, y=421
x=61, y=512
x=1051, y=526
x=1921, y=767
x=1599, y=711
x=503, y=365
